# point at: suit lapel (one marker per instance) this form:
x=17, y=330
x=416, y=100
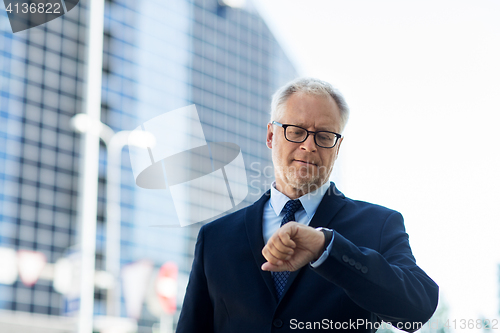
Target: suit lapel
x=329, y=206
x=253, y=225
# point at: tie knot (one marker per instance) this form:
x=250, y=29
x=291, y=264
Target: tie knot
x=292, y=206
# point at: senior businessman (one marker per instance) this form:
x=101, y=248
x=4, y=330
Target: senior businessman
x=304, y=256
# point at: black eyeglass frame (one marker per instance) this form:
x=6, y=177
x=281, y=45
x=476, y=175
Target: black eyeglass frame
x=284, y=126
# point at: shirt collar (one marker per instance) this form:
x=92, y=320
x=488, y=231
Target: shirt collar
x=309, y=201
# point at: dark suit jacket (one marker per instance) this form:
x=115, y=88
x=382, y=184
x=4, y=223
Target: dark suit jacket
x=370, y=275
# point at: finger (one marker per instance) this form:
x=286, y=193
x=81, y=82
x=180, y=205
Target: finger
x=273, y=268
x=279, y=249
x=286, y=240
x=284, y=234
x=281, y=245
x=270, y=257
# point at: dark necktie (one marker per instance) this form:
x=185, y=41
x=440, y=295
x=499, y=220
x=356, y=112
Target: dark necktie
x=281, y=278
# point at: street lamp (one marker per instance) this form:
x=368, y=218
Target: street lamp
x=114, y=143
x=89, y=159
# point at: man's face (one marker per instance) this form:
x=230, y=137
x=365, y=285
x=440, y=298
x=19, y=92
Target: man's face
x=303, y=167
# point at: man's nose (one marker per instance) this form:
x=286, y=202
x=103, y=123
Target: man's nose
x=309, y=144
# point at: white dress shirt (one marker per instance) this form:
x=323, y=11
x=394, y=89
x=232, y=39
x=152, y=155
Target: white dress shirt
x=273, y=214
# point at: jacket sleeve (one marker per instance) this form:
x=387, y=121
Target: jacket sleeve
x=197, y=310
x=387, y=283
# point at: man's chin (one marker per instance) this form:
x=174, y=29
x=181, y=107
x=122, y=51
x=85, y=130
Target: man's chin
x=305, y=184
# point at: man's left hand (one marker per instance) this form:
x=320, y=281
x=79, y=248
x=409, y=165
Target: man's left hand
x=291, y=247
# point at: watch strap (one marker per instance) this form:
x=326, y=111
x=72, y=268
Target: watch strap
x=328, y=236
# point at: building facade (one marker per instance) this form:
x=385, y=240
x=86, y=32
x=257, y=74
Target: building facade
x=158, y=56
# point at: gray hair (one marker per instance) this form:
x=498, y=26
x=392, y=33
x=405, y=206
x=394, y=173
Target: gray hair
x=312, y=86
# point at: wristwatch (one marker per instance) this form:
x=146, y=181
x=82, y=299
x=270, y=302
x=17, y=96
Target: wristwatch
x=328, y=236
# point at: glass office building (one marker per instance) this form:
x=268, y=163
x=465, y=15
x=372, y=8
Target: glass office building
x=158, y=56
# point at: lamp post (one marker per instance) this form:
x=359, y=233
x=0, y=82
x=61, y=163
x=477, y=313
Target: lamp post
x=89, y=159
x=114, y=144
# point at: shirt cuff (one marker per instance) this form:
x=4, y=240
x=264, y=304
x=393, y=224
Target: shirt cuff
x=325, y=254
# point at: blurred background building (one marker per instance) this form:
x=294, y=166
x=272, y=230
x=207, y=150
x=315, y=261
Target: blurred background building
x=158, y=56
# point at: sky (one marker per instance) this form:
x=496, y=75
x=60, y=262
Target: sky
x=422, y=79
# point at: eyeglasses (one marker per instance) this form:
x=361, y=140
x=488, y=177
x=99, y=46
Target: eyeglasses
x=298, y=134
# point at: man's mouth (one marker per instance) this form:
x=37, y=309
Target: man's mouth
x=308, y=163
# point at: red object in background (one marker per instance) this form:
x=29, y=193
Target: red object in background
x=166, y=287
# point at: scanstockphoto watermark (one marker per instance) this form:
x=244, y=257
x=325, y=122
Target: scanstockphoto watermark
x=327, y=324
x=204, y=179
x=306, y=178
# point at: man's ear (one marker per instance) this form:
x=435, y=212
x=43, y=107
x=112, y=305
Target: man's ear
x=269, y=136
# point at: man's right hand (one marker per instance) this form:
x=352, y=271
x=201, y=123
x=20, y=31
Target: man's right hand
x=291, y=247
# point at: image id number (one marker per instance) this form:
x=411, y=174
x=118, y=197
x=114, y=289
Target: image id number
x=41, y=8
